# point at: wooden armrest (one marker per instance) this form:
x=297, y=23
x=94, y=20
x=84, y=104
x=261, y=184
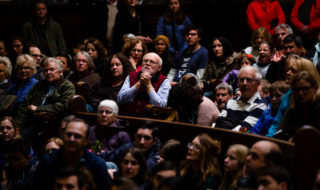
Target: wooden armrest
x=165, y=113
x=77, y=103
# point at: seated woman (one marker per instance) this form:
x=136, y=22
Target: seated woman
x=109, y=133
x=133, y=166
x=25, y=69
x=117, y=69
x=304, y=106
x=266, y=51
x=233, y=166
x=135, y=49
x=259, y=35
x=161, y=47
x=84, y=73
x=201, y=169
x=98, y=53
x=222, y=60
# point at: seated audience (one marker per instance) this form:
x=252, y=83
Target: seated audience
x=133, y=166
x=277, y=90
x=109, y=133
x=266, y=51
x=223, y=93
x=146, y=87
x=242, y=112
x=292, y=44
x=233, y=166
x=98, y=53
x=114, y=75
x=25, y=69
x=161, y=47
x=135, y=50
x=304, y=106
x=259, y=35
x=201, y=168
x=274, y=177
x=73, y=154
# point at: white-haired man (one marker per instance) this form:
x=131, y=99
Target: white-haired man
x=146, y=87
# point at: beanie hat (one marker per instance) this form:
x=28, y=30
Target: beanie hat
x=163, y=38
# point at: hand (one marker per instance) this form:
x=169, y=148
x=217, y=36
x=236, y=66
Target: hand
x=146, y=39
x=145, y=79
x=32, y=108
x=277, y=57
x=111, y=173
x=133, y=63
x=173, y=83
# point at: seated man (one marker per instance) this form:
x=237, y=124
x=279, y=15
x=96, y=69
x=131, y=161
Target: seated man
x=224, y=92
x=146, y=140
x=146, y=87
x=274, y=177
x=74, y=154
x=50, y=95
x=36, y=54
x=244, y=110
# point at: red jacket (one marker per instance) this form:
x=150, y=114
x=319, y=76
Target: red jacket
x=262, y=12
x=314, y=16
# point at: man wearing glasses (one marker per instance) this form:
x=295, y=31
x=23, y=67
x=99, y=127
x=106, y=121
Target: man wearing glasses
x=245, y=110
x=35, y=53
x=146, y=87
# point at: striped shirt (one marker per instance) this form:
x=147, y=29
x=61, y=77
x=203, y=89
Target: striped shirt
x=247, y=112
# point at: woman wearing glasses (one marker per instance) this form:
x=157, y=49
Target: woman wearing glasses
x=201, y=170
x=135, y=49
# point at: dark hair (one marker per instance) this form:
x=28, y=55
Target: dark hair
x=274, y=157
x=152, y=126
x=282, y=86
x=173, y=151
x=20, y=145
x=166, y=165
x=102, y=51
x=123, y=183
x=143, y=174
x=271, y=46
x=226, y=47
x=107, y=77
x=80, y=121
x=170, y=17
x=293, y=38
x=193, y=27
x=278, y=173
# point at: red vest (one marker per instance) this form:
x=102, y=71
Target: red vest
x=137, y=107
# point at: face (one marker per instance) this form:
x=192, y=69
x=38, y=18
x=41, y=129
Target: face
x=174, y=6
x=161, y=175
x=269, y=183
x=192, y=38
x=105, y=116
x=263, y=93
x=291, y=72
x=244, y=62
x=51, y=72
x=65, y=62
x=25, y=72
x=144, y=139
x=160, y=47
x=231, y=163
x=116, y=67
x=136, y=52
x=132, y=3
x=194, y=150
x=303, y=91
x=248, y=84
x=7, y=130
x=51, y=146
x=41, y=10
x=291, y=48
x=275, y=97
x=92, y=51
x=66, y=183
x=222, y=97
x=75, y=137
x=150, y=64
x=36, y=54
x=256, y=159
x=17, y=47
x=2, y=72
x=217, y=48
x=264, y=51
x=260, y=38
x=81, y=63
x=3, y=51
x=129, y=166
x=281, y=34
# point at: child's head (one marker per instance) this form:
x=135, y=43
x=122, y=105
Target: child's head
x=246, y=59
x=264, y=88
x=276, y=90
x=265, y=50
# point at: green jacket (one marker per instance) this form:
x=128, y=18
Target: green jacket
x=56, y=102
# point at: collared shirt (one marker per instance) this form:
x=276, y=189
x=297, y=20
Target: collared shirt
x=247, y=112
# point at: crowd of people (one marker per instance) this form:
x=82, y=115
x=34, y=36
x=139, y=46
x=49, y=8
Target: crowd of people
x=270, y=88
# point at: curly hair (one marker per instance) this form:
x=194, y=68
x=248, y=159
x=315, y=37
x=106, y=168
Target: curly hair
x=226, y=47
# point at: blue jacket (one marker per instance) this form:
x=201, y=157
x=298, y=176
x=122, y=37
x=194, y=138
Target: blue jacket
x=50, y=162
x=21, y=92
x=165, y=29
x=264, y=123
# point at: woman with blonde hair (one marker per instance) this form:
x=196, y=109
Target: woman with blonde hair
x=201, y=170
x=233, y=166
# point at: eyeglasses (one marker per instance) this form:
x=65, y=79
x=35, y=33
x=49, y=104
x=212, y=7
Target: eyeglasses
x=105, y=111
x=136, y=50
x=81, y=60
x=249, y=80
x=149, y=61
x=194, y=146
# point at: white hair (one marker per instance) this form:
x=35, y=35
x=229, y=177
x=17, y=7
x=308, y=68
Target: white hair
x=258, y=75
x=110, y=104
